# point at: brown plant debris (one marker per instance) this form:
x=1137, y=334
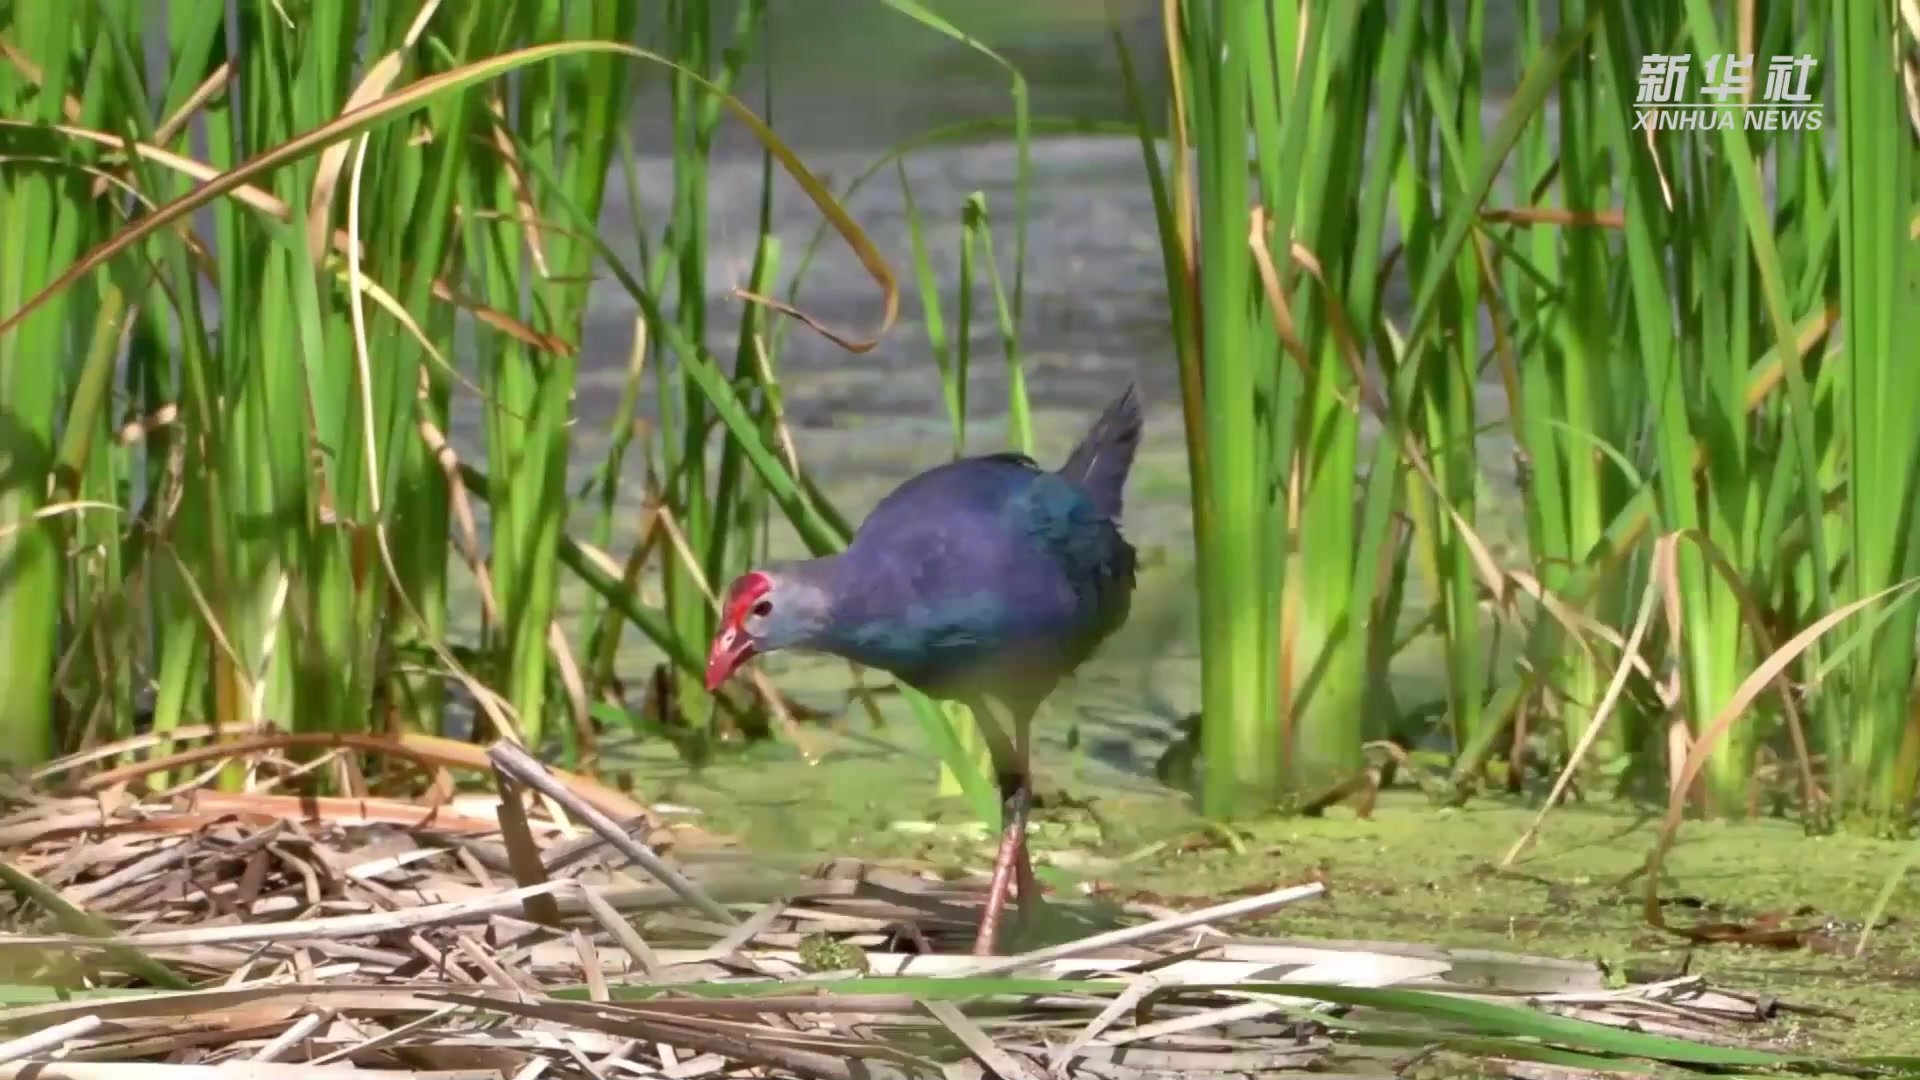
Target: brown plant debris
x=383, y=937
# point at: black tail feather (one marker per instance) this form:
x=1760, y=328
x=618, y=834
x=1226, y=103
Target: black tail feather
x=1102, y=460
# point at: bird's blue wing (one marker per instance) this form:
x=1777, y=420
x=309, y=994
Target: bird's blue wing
x=937, y=581
x=976, y=565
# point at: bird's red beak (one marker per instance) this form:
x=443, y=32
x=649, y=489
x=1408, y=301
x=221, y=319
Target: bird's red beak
x=731, y=648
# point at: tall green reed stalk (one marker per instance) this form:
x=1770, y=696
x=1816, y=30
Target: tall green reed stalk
x=239, y=526
x=566, y=119
x=1277, y=269
x=1657, y=320
x=1572, y=403
x=1270, y=439
x=1870, y=731
x=41, y=227
x=1804, y=506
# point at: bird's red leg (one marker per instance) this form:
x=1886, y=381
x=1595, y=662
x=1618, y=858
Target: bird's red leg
x=1012, y=865
x=1011, y=861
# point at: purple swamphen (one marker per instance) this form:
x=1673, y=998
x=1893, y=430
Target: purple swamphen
x=985, y=581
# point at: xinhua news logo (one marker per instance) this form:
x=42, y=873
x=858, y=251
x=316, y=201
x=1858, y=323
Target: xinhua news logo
x=1726, y=101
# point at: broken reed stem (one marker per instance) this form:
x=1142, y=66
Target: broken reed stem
x=516, y=763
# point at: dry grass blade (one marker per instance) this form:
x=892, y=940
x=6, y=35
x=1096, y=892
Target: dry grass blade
x=1663, y=554
x=84, y=1070
x=48, y=1039
x=285, y=1041
x=1003, y=1064
x=353, y=122
x=264, y=202
x=622, y=931
x=1128, y=1000
x=523, y=857
x=427, y=750
x=344, y=926
x=514, y=761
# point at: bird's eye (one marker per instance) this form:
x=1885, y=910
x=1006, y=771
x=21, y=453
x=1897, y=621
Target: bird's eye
x=763, y=608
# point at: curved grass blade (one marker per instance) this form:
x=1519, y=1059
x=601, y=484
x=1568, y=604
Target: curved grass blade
x=966, y=131
x=265, y=202
x=402, y=102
